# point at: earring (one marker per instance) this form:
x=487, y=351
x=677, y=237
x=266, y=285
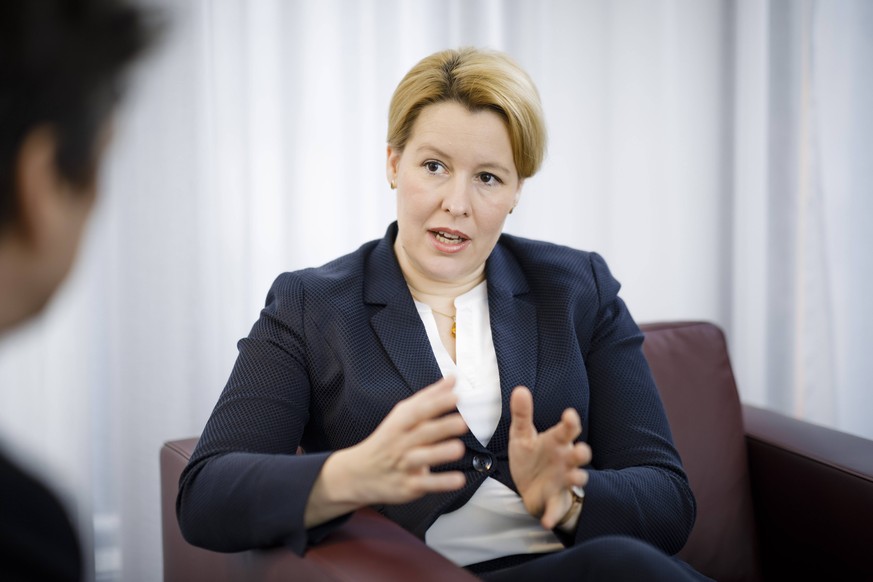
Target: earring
x=393, y=185
x=511, y=209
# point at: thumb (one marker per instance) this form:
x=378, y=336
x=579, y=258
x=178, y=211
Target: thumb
x=521, y=409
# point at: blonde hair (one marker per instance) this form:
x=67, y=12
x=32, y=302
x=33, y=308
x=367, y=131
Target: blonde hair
x=478, y=79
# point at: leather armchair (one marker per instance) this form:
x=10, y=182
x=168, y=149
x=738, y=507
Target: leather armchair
x=777, y=497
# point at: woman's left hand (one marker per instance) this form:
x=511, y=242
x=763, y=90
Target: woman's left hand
x=545, y=465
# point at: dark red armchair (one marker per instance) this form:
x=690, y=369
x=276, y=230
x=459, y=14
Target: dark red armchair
x=777, y=498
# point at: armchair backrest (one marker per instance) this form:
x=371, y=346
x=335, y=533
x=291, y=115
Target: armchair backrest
x=182, y=561
x=693, y=373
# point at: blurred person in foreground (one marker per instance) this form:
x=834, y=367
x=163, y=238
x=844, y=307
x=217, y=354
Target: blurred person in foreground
x=61, y=68
x=487, y=392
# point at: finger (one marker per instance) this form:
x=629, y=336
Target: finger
x=439, y=482
x=570, y=426
x=435, y=400
x=582, y=454
x=555, y=510
x=521, y=408
x=579, y=456
x=434, y=431
x=438, y=454
x=577, y=477
x=566, y=430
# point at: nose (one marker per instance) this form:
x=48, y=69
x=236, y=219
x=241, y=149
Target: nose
x=457, y=200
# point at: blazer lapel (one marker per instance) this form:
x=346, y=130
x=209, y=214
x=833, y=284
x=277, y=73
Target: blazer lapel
x=514, y=331
x=398, y=325
x=399, y=328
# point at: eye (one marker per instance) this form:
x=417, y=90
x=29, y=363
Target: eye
x=489, y=179
x=434, y=167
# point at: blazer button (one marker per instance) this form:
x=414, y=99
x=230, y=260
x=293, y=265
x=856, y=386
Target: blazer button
x=482, y=463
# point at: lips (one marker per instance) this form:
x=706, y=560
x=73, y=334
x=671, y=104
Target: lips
x=449, y=241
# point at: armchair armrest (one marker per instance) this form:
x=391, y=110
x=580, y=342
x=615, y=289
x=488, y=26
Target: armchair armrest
x=369, y=547
x=813, y=494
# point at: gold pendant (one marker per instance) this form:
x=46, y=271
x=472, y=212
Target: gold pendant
x=454, y=328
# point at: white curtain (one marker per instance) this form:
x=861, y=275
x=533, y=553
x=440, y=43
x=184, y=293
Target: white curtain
x=801, y=275
x=717, y=153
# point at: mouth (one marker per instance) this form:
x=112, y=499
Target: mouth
x=449, y=241
x=449, y=237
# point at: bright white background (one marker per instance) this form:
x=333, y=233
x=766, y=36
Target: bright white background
x=718, y=153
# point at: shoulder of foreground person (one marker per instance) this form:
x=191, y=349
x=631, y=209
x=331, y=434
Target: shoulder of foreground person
x=37, y=539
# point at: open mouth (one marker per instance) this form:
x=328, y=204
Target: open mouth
x=448, y=237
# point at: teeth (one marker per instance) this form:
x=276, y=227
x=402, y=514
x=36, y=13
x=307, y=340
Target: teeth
x=447, y=238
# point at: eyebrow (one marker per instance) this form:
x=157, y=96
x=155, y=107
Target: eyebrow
x=439, y=153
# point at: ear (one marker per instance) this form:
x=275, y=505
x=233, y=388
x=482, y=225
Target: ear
x=392, y=163
x=38, y=185
x=518, y=193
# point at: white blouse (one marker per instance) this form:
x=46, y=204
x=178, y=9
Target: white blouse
x=494, y=522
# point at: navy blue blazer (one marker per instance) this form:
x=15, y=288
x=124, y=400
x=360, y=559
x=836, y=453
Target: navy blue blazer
x=338, y=346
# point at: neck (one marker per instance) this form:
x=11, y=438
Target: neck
x=19, y=297
x=430, y=290
x=439, y=291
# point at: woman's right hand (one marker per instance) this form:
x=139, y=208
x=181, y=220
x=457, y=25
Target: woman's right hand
x=393, y=464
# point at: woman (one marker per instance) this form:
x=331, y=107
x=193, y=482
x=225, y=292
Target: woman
x=454, y=377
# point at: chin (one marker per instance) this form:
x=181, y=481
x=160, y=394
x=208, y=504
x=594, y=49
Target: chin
x=445, y=269
x=33, y=309
x=39, y=304
x=44, y=290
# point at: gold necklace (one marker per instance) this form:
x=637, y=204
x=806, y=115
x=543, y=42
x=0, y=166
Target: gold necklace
x=452, y=317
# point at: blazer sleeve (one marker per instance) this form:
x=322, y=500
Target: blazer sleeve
x=245, y=487
x=637, y=485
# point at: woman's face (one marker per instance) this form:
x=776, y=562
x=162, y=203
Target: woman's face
x=456, y=183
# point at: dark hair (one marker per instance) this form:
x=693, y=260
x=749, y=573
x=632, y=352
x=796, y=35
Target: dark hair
x=61, y=63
